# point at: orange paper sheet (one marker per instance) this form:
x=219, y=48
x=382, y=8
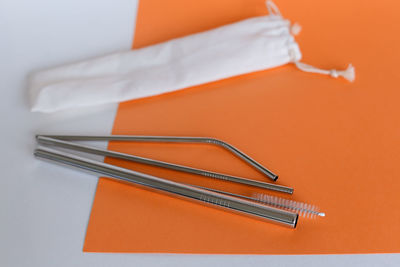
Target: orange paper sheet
x=336, y=143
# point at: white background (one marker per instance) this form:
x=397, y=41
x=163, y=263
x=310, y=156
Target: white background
x=44, y=209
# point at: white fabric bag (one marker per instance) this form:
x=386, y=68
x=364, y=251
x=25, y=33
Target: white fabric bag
x=250, y=45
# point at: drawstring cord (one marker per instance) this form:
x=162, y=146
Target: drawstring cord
x=295, y=28
x=348, y=74
x=272, y=8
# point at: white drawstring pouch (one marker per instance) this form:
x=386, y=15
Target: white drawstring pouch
x=246, y=46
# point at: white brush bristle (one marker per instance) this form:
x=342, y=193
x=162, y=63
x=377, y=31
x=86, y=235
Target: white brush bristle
x=303, y=209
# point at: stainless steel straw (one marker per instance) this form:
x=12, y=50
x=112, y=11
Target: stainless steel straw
x=225, y=202
x=87, y=149
x=170, y=139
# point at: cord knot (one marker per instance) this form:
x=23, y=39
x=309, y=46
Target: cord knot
x=295, y=28
x=334, y=73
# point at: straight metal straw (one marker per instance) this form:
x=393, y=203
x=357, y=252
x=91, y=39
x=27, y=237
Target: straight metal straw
x=225, y=202
x=170, y=139
x=102, y=152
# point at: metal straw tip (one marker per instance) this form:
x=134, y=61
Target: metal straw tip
x=35, y=152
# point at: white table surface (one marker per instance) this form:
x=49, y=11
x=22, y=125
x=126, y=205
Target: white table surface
x=44, y=209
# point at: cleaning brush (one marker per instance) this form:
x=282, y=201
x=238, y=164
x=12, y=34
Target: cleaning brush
x=303, y=209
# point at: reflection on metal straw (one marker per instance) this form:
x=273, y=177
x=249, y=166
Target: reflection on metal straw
x=225, y=202
x=87, y=149
x=170, y=139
